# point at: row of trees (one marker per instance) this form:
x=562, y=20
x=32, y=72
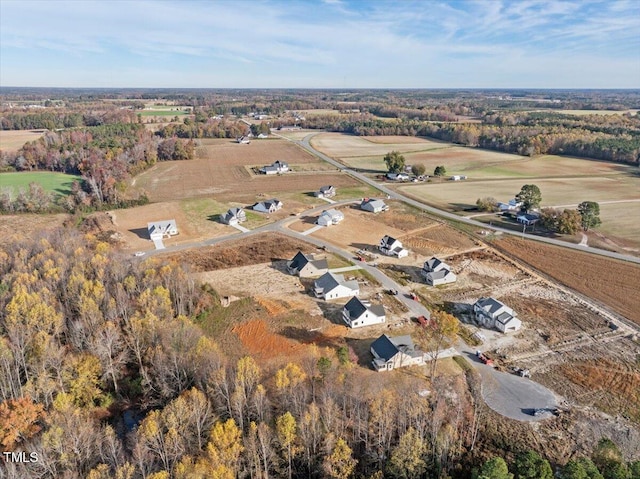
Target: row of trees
x=606, y=462
x=55, y=119
x=620, y=144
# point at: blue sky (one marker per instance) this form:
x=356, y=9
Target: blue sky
x=321, y=44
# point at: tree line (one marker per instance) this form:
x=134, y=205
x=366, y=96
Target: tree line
x=105, y=156
x=519, y=136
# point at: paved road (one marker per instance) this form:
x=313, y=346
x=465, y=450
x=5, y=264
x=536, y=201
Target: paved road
x=305, y=143
x=507, y=394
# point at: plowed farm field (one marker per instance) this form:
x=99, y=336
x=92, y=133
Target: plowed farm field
x=613, y=283
x=340, y=146
x=224, y=169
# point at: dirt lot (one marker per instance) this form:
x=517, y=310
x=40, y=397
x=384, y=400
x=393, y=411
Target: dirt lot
x=12, y=140
x=243, y=252
x=441, y=240
x=17, y=227
x=223, y=169
x=613, y=283
x=132, y=225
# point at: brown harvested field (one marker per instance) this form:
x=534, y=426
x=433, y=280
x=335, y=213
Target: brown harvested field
x=439, y=240
x=18, y=227
x=391, y=140
x=555, y=191
x=340, y=146
x=223, y=169
x=611, y=282
x=13, y=140
x=243, y=252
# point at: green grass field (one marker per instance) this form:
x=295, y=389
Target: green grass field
x=58, y=183
x=166, y=112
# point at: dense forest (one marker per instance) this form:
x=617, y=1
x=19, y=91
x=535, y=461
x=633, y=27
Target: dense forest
x=106, y=373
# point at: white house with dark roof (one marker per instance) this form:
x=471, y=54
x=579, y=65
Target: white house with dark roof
x=275, y=168
x=492, y=313
x=333, y=286
x=392, y=247
x=527, y=219
x=234, y=216
x=268, y=206
x=162, y=229
x=397, y=176
x=374, y=206
x=512, y=205
x=326, y=192
x=437, y=272
x=392, y=353
x=358, y=313
x=330, y=217
x=306, y=266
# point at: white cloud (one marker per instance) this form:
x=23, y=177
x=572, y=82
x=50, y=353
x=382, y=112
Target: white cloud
x=387, y=43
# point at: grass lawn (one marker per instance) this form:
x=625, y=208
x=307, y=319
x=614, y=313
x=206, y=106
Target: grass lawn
x=58, y=183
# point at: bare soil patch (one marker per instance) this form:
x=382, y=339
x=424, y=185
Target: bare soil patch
x=612, y=282
x=370, y=229
x=245, y=251
x=439, y=240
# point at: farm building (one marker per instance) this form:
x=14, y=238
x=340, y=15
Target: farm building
x=392, y=353
x=492, y=313
x=330, y=217
x=262, y=136
x=397, y=176
x=458, y=177
x=268, y=206
x=334, y=286
x=326, y=192
x=275, y=168
x=162, y=229
x=244, y=140
x=234, y=216
x=392, y=247
x=306, y=266
x=373, y=205
x=358, y=313
x=437, y=272
x=527, y=219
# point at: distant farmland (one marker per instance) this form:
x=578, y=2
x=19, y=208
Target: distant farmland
x=12, y=140
x=58, y=183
